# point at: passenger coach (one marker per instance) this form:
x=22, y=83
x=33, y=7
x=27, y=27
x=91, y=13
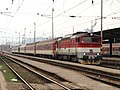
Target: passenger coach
x=46, y=48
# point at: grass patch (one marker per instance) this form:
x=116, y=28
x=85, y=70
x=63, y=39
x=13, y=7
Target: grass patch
x=8, y=74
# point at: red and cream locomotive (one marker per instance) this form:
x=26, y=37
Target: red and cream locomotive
x=81, y=47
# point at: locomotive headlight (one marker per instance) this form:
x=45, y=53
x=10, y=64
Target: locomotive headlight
x=98, y=53
x=84, y=53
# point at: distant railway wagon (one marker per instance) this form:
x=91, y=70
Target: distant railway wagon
x=15, y=49
x=22, y=49
x=81, y=47
x=29, y=48
x=115, y=49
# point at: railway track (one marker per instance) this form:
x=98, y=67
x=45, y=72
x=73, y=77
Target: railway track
x=21, y=78
x=115, y=64
x=100, y=75
x=37, y=71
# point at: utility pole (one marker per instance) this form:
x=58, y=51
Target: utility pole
x=101, y=19
x=73, y=29
x=19, y=38
x=24, y=36
x=53, y=21
x=34, y=38
x=34, y=32
x=52, y=24
x=12, y=1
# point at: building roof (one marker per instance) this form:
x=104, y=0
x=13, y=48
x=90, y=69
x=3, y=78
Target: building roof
x=113, y=34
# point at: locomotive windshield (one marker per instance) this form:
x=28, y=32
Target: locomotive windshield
x=90, y=39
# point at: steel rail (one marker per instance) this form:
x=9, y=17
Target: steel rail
x=110, y=63
x=85, y=70
x=31, y=88
x=57, y=83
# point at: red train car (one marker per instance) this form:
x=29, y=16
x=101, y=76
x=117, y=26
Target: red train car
x=82, y=47
x=115, y=49
x=46, y=48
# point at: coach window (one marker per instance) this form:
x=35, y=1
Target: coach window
x=72, y=41
x=78, y=40
x=68, y=42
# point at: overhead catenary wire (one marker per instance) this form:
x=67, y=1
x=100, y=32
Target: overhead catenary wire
x=59, y=14
x=62, y=13
x=9, y=19
x=84, y=11
x=65, y=11
x=111, y=6
x=118, y=1
x=71, y=8
x=72, y=26
x=18, y=8
x=105, y=17
x=15, y=13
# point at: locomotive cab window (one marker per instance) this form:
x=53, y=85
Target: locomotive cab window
x=90, y=39
x=95, y=39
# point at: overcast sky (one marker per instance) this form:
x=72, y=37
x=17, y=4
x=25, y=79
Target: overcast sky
x=16, y=15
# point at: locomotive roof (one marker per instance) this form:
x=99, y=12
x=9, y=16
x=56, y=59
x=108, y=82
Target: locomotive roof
x=82, y=34
x=79, y=33
x=65, y=38
x=113, y=35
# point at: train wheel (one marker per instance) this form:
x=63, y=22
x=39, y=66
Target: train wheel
x=74, y=59
x=98, y=62
x=68, y=58
x=59, y=57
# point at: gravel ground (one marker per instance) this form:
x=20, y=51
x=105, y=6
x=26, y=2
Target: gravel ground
x=30, y=77
x=72, y=76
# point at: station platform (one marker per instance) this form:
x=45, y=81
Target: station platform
x=72, y=76
x=3, y=83
x=111, y=58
